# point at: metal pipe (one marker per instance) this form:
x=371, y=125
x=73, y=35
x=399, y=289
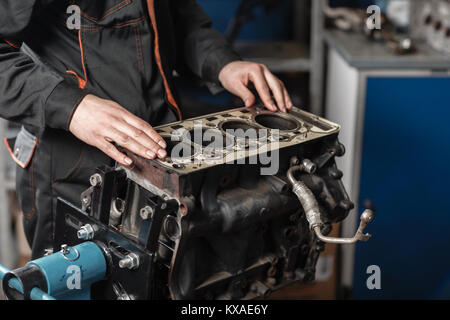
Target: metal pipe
x=311, y=207
x=366, y=216
x=35, y=294
x=304, y=194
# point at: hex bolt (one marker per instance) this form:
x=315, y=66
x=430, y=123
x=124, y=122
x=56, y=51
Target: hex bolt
x=147, y=212
x=95, y=180
x=131, y=261
x=86, y=232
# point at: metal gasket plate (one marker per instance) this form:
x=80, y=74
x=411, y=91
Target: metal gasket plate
x=274, y=131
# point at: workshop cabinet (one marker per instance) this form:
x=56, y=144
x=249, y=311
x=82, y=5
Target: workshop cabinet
x=395, y=117
x=405, y=176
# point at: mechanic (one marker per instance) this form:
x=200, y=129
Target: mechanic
x=78, y=93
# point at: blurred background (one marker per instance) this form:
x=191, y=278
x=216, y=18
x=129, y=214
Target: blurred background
x=389, y=88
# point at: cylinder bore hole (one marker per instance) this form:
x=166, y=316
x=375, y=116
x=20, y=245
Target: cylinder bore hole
x=241, y=129
x=275, y=121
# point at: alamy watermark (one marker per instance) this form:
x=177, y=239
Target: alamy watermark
x=374, y=280
x=373, y=22
x=73, y=281
x=73, y=22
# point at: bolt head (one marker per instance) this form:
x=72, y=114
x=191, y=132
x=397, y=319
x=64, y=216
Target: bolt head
x=95, y=180
x=131, y=261
x=86, y=232
x=146, y=212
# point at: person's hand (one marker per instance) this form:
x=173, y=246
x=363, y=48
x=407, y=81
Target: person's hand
x=100, y=122
x=236, y=77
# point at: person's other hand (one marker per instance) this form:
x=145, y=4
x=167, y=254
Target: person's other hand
x=237, y=76
x=100, y=122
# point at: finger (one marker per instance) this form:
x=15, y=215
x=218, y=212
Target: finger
x=277, y=89
x=111, y=151
x=258, y=79
x=146, y=128
x=125, y=140
x=287, y=99
x=244, y=93
x=134, y=134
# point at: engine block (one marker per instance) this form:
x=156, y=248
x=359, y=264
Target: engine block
x=218, y=218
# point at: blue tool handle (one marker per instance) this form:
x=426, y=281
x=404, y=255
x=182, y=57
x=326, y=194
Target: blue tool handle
x=36, y=293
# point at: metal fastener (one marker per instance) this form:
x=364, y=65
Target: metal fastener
x=86, y=232
x=131, y=261
x=147, y=212
x=95, y=180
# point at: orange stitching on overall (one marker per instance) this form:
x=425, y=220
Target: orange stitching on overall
x=128, y=23
x=109, y=12
x=117, y=7
x=133, y=22
x=81, y=82
x=13, y=156
x=151, y=9
x=12, y=44
x=27, y=215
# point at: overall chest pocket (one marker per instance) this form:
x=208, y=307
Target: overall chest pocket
x=106, y=12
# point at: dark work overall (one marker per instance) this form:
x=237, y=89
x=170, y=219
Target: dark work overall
x=125, y=51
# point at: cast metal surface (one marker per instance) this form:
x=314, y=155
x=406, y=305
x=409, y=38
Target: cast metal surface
x=312, y=211
x=275, y=131
x=189, y=228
